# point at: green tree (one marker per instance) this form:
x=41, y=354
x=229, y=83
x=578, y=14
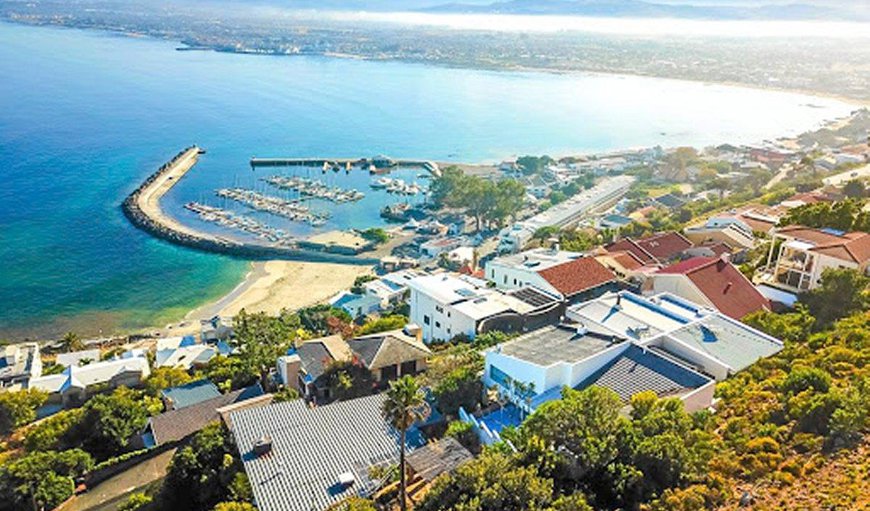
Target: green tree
x=384, y=324
x=404, y=405
x=162, y=378
x=200, y=474
x=855, y=189
x=261, y=339
x=494, y=481
x=136, y=501
x=461, y=387
x=71, y=342
x=376, y=235
x=229, y=373
x=54, y=433
x=841, y=292
x=793, y=326
x=464, y=433
x=109, y=422
x=41, y=480
x=234, y=506
x=19, y=408
x=349, y=379
x=542, y=234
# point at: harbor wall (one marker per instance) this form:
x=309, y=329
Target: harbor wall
x=143, y=221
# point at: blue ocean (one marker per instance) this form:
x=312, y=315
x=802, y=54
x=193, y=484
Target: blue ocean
x=86, y=116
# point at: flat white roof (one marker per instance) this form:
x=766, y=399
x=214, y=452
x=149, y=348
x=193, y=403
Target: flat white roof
x=446, y=288
x=537, y=259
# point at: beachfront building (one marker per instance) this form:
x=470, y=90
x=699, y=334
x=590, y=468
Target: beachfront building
x=183, y=353
x=608, y=191
x=78, y=358
x=189, y=394
x=72, y=387
x=390, y=355
x=358, y=306
x=711, y=282
x=570, y=276
x=446, y=305
x=20, y=363
x=304, y=367
x=307, y=459
x=799, y=255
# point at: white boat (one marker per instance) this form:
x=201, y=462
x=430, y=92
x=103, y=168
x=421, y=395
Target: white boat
x=382, y=182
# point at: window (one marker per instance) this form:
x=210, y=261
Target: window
x=515, y=282
x=439, y=309
x=498, y=376
x=426, y=319
x=505, y=280
x=437, y=324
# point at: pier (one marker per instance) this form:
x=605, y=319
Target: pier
x=379, y=162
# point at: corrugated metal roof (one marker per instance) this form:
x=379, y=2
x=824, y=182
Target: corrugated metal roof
x=731, y=342
x=311, y=448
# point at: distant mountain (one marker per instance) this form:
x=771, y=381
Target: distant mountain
x=648, y=9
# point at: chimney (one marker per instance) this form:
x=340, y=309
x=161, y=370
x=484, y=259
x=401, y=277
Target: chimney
x=262, y=446
x=289, y=367
x=581, y=329
x=414, y=330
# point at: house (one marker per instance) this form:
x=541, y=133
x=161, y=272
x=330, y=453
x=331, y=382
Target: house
x=710, y=341
x=182, y=396
x=77, y=358
x=215, y=329
x=709, y=281
x=71, y=387
x=392, y=288
x=624, y=342
x=20, y=363
x=183, y=353
x=390, y=355
x=435, y=247
x=307, y=459
x=799, y=255
x=175, y=426
x=730, y=230
x=614, y=221
x=567, y=275
x=656, y=249
x=670, y=201
x=623, y=264
x=304, y=367
x=446, y=306
x=356, y=305
x=536, y=186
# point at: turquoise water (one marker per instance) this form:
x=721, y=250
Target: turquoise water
x=84, y=117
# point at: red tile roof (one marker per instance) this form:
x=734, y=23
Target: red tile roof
x=661, y=247
x=630, y=246
x=854, y=247
x=722, y=283
x=627, y=260
x=577, y=276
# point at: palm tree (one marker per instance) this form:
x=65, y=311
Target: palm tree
x=405, y=405
x=71, y=342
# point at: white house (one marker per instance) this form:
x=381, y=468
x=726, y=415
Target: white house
x=799, y=255
x=445, y=305
x=71, y=386
x=183, y=352
x=391, y=288
x=629, y=344
x=20, y=363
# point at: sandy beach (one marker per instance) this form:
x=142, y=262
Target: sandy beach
x=274, y=285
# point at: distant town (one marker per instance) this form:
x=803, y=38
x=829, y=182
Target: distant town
x=819, y=65
x=580, y=333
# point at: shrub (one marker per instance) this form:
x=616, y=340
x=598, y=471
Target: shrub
x=464, y=433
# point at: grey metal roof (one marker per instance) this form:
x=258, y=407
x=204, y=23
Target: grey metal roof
x=728, y=341
x=637, y=370
x=311, y=447
x=191, y=393
x=558, y=343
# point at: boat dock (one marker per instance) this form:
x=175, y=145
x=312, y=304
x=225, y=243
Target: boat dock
x=378, y=162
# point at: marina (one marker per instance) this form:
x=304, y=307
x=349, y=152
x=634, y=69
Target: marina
x=314, y=188
x=275, y=205
x=231, y=220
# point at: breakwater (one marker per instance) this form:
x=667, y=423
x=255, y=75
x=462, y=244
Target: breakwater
x=142, y=209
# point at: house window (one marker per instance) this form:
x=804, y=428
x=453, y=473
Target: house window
x=439, y=308
x=505, y=280
x=498, y=376
x=426, y=319
x=437, y=324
